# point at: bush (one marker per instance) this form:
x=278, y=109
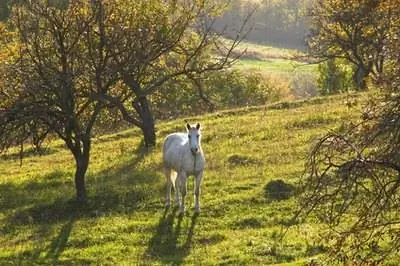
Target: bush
x=304, y=84
x=335, y=77
x=278, y=190
x=225, y=89
x=236, y=89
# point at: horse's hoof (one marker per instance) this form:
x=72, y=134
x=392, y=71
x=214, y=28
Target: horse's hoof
x=197, y=210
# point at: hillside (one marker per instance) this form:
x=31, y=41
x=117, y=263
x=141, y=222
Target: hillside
x=125, y=222
x=272, y=59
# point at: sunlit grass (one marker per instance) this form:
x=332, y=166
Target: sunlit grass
x=276, y=66
x=263, y=58
x=125, y=222
x=262, y=51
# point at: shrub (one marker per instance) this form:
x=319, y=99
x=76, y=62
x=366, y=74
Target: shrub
x=278, y=190
x=235, y=89
x=225, y=89
x=304, y=84
x=334, y=77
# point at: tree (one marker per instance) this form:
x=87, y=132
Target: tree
x=153, y=43
x=53, y=76
x=278, y=22
x=353, y=30
x=352, y=178
x=4, y=9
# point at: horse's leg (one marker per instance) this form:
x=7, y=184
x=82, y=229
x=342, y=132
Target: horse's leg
x=198, y=178
x=183, y=188
x=167, y=172
x=176, y=188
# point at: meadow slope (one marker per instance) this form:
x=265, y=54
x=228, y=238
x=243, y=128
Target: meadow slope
x=125, y=222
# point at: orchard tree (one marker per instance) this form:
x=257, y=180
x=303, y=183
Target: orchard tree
x=4, y=9
x=153, y=43
x=352, y=178
x=54, y=72
x=356, y=31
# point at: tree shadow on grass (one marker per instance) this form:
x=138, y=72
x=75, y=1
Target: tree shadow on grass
x=118, y=136
x=165, y=244
x=27, y=153
x=51, y=198
x=14, y=196
x=110, y=195
x=48, y=202
x=129, y=167
x=50, y=251
x=121, y=187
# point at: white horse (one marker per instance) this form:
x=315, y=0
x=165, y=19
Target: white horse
x=183, y=156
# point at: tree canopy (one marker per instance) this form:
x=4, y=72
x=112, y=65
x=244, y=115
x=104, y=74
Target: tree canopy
x=356, y=31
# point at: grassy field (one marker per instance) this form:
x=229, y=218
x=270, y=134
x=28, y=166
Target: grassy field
x=268, y=59
x=262, y=51
x=275, y=66
x=272, y=60
x=125, y=222
x=289, y=68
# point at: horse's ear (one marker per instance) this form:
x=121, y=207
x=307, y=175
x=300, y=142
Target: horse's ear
x=198, y=126
x=188, y=126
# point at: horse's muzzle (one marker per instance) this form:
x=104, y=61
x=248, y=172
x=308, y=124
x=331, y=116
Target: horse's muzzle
x=194, y=150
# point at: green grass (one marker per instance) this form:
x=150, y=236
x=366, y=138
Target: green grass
x=288, y=68
x=125, y=222
x=268, y=59
x=275, y=66
x=262, y=51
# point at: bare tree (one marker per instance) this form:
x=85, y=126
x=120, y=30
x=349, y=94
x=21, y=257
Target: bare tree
x=352, y=179
x=152, y=43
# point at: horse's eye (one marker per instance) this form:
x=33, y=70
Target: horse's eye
x=198, y=136
x=189, y=136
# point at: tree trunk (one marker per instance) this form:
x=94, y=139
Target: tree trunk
x=359, y=78
x=82, y=163
x=142, y=107
x=81, y=152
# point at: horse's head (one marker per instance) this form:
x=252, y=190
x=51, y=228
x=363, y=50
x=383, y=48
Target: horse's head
x=194, y=138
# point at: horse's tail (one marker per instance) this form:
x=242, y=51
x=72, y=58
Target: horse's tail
x=173, y=176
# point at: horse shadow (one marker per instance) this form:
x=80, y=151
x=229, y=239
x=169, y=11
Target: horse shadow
x=166, y=244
